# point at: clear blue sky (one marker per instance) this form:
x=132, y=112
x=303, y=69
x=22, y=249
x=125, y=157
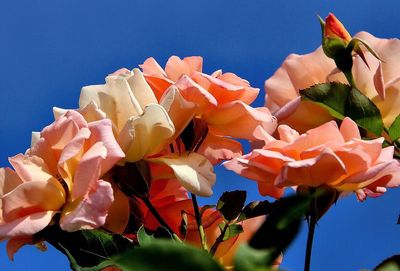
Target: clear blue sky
x=50, y=49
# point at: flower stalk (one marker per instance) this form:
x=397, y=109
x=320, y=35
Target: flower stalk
x=199, y=223
x=312, y=221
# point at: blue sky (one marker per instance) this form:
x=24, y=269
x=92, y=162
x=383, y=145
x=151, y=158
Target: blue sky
x=50, y=49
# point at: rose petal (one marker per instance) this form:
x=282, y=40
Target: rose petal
x=349, y=129
x=88, y=170
x=30, y=168
x=227, y=87
x=312, y=172
x=146, y=134
x=179, y=110
x=101, y=131
x=118, y=213
x=176, y=67
x=196, y=94
x=32, y=197
x=9, y=180
x=91, y=211
x=140, y=89
x=15, y=243
x=27, y=225
x=239, y=120
x=217, y=148
x=194, y=172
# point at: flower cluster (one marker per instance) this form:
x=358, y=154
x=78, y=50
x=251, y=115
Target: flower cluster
x=125, y=161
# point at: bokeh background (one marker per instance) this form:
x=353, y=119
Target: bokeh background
x=50, y=49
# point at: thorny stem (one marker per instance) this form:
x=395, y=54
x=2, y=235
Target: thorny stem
x=219, y=240
x=162, y=222
x=199, y=224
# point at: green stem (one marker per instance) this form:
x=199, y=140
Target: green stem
x=199, y=224
x=160, y=220
x=311, y=229
x=350, y=78
x=219, y=240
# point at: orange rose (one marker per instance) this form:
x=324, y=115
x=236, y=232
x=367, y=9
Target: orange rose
x=326, y=155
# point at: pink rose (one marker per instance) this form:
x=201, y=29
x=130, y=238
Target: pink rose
x=380, y=82
x=61, y=173
x=325, y=155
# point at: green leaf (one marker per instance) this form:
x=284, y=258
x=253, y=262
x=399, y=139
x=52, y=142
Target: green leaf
x=354, y=43
x=86, y=248
x=251, y=259
x=254, y=209
x=231, y=231
x=364, y=112
x=231, y=203
x=281, y=226
x=324, y=198
x=394, y=130
x=390, y=264
x=162, y=255
x=343, y=100
x=143, y=237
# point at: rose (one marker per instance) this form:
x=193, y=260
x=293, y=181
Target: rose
x=325, y=155
x=380, y=82
x=146, y=129
x=61, y=173
x=221, y=101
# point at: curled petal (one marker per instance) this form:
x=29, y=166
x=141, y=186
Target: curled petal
x=146, y=134
x=312, y=172
x=227, y=87
x=15, y=243
x=194, y=172
x=196, y=94
x=349, y=129
x=88, y=170
x=372, y=175
x=63, y=130
x=151, y=67
x=239, y=120
x=140, y=89
x=32, y=197
x=30, y=168
x=177, y=67
x=287, y=134
x=179, y=110
x=70, y=156
x=99, y=95
x=101, y=131
x=218, y=148
x=91, y=211
x=27, y=225
x=8, y=180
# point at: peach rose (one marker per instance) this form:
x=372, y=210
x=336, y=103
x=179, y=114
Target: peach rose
x=380, y=82
x=325, y=155
x=222, y=100
x=61, y=173
x=143, y=127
